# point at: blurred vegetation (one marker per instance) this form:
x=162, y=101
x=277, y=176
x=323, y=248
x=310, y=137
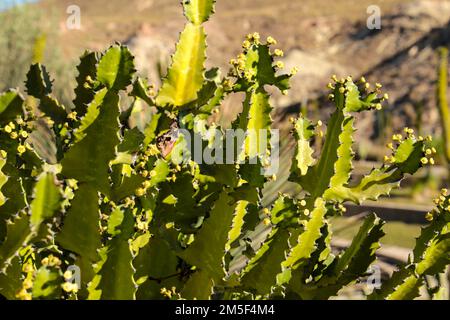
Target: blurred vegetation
x=29, y=35
x=398, y=234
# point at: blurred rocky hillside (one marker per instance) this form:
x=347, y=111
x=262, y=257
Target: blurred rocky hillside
x=320, y=37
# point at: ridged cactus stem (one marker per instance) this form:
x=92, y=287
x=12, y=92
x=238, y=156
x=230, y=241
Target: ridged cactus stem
x=442, y=100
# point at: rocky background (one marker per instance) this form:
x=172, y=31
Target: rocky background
x=320, y=37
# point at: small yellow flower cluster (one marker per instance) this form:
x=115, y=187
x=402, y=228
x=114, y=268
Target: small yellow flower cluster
x=140, y=192
x=141, y=224
x=294, y=71
x=278, y=53
x=397, y=139
x=363, y=87
x=172, y=178
x=240, y=69
x=27, y=283
x=89, y=83
x=128, y=202
x=442, y=205
x=254, y=38
x=271, y=41
x=152, y=150
x=51, y=261
x=70, y=287
x=279, y=64
x=141, y=168
x=267, y=221
x=227, y=84
x=170, y=293
x=341, y=208
x=72, y=116
x=18, y=130
x=170, y=225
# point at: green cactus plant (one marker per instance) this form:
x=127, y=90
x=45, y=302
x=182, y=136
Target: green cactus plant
x=117, y=208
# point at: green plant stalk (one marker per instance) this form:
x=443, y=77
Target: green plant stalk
x=442, y=100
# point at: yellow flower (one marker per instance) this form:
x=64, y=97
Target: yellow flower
x=68, y=287
x=271, y=40
x=68, y=275
x=246, y=44
x=146, y=184
x=21, y=149
x=72, y=115
x=140, y=192
x=280, y=64
x=166, y=293
x=278, y=53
